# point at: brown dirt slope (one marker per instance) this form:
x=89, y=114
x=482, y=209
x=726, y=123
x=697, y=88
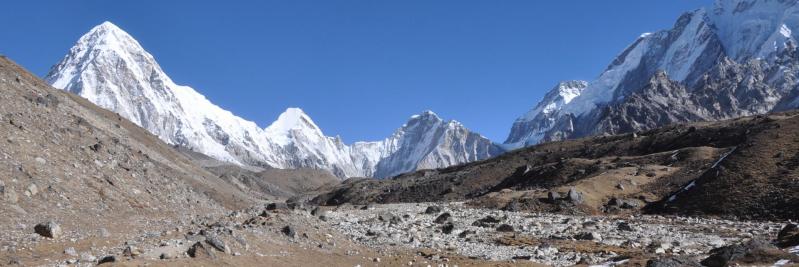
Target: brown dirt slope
x=757, y=180
x=64, y=159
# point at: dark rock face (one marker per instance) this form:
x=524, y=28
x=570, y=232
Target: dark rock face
x=682, y=74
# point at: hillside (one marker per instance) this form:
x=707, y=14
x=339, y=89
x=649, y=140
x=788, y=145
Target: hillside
x=743, y=168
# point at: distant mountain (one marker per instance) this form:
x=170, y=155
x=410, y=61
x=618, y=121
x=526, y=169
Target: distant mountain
x=735, y=59
x=531, y=127
x=110, y=68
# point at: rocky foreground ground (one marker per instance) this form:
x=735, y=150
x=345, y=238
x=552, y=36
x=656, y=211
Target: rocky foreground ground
x=560, y=240
x=421, y=234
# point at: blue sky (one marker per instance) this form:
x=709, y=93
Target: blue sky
x=360, y=69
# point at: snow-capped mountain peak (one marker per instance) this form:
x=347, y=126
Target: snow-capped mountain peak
x=530, y=127
x=737, y=58
x=292, y=119
x=110, y=68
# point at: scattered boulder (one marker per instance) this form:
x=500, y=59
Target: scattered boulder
x=788, y=236
x=277, y=206
x=198, y=250
x=167, y=255
x=447, y=228
x=621, y=203
x=48, y=229
x=131, y=251
x=466, y=233
x=432, y=210
x=505, y=228
x=289, y=231
x=295, y=205
x=624, y=226
x=574, y=196
x=753, y=252
x=672, y=261
x=444, y=217
x=316, y=211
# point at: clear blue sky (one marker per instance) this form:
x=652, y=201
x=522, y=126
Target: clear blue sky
x=358, y=68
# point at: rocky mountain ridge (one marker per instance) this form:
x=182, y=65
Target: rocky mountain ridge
x=737, y=58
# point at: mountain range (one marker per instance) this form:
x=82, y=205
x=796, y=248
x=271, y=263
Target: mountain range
x=111, y=69
x=736, y=58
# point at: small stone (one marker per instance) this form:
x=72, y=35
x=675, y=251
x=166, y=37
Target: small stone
x=277, y=206
x=31, y=190
x=624, y=226
x=217, y=243
x=466, y=233
x=40, y=160
x=376, y=260
x=87, y=257
x=432, y=210
x=553, y=196
x=48, y=229
x=289, y=231
x=131, y=251
x=167, y=255
x=71, y=252
x=104, y=233
x=198, y=250
x=588, y=236
x=487, y=221
x=447, y=228
x=574, y=196
x=107, y=259
x=389, y=217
